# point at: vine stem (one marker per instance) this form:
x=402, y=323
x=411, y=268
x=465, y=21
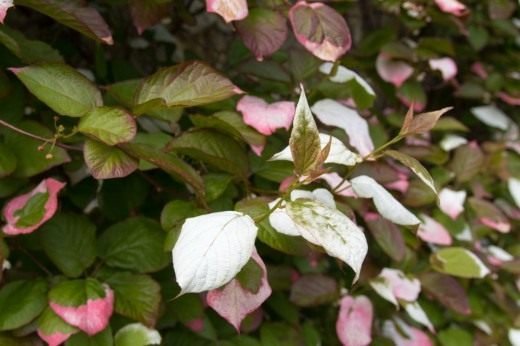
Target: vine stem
x=39, y=138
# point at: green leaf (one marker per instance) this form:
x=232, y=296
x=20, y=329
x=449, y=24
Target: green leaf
x=134, y=244
x=314, y=289
x=33, y=211
x=455, y=336
x=305, y=139
x=109, y=125
x=70, y=242
x=168, y=163
x=8, y=161
x=213, y=148
x=175, y=212
x=62, y=88
x=86, y=20
x=458, y=261
x=31, y=161
x=49, y=323
x=185, y=85
x=467, y=162
x=21, y=302
x=76, y=292
x=250, y=276
x=137, y=335
x=103, y=338
x=258, y=208
x=106, y=162
x=216, y=184
x=137, y=296
x=232, y=124
x=415, y=166
x=28, y=51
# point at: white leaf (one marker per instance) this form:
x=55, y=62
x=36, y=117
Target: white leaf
x=333, y=113
x=338, y=153
x=339, y=185
x=417, y=313
x=281, y=222
x=514, y=336
x=366, y=187
x=451, y=202
x=492, y=116
x=329, y=228
x=136, y=334
x=212, y=249
x=514, y=189
x=450, y=142
x=344, y=75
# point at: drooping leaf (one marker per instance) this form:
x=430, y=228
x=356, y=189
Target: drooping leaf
x=387, y=235
x=70, y=242
x=136, y=334
x=26, y=213
x=447, y=290
x=415, y=166
x=467, y=162
x=146, y=13
x=21, y=302
x=230, y=10
x=134, y=244
x=266, y=118
x=234, y=301
x=62, y=88
x=185, y=85
x=354, y=323
x=263, y=31
x=313, y=290
x=30, y=160
x=109, y=125
x=333, y=113
x=212, y=249
x=366, y=187
x=320, y=29
x=86, y=304
x=28, y=51
x=305, y=140
x=458, y=261
x=213, y=148
x=322, y=225
x=492, y=116
x=52, y=329
x=231, y=123
x=86, y=20
x=106, y=162
x=170, y=163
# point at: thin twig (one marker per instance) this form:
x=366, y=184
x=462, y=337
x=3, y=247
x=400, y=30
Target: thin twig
x=39, y=138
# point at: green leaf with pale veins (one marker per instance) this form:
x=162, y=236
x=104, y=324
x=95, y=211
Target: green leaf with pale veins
x=29, y=51
x=106, y=162
x=109, y=124
x=305, y=140
x=62, y=88
x=185, y=85
x=213, y=148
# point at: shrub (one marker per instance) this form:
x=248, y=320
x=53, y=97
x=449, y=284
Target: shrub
x=315, y=172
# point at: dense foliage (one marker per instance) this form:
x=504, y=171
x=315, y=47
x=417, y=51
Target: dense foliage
x=262, y=172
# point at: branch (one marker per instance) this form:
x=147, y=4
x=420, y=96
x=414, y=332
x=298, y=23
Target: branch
x=39, y=138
